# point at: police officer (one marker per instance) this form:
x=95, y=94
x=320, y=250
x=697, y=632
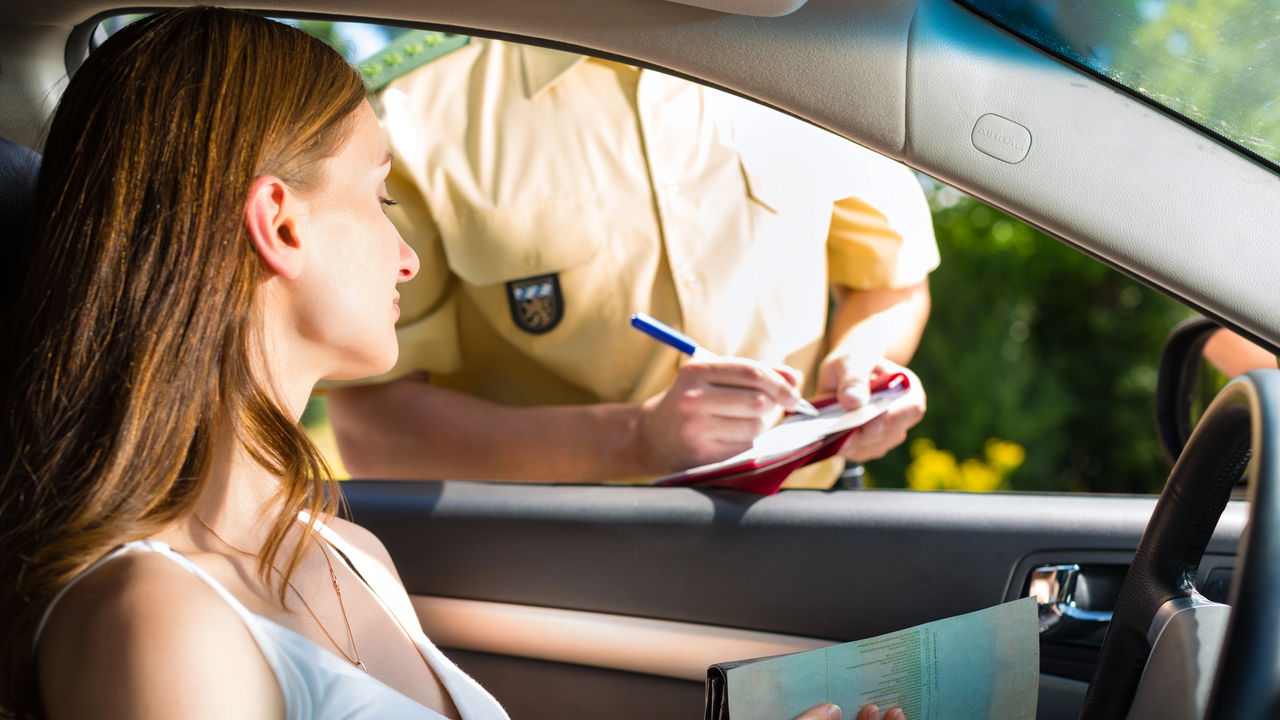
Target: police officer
x=549, y=196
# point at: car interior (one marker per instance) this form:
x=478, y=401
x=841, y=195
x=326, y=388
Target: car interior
x=612, y=601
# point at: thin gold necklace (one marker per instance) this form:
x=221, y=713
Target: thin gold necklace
x=333, y=577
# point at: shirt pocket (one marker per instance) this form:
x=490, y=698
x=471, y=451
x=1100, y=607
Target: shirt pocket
x=789, y=165
x=487, y=246
x=770, y=180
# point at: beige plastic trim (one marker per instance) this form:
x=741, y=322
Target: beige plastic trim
x=615, y=642
x=821, y=60
x=910, y=79
x=757, y=8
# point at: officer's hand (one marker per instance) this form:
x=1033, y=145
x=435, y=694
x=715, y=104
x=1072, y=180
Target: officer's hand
x=827, y=711
x=714, y=410
x=849, y=379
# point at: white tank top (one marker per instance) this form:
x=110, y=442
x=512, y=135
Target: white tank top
x=316, y=684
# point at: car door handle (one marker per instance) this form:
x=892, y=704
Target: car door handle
x=1054, y=587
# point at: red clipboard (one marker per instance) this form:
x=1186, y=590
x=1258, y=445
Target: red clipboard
x=764, y=476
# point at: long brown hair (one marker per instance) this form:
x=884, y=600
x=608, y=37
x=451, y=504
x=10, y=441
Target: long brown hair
x=133, y=338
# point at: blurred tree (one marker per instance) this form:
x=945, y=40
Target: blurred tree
x=1038, y=345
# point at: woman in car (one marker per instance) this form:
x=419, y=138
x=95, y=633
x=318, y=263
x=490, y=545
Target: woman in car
x=209, y=244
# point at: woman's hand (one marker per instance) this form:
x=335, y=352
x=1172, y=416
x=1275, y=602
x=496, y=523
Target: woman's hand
x=827, y=711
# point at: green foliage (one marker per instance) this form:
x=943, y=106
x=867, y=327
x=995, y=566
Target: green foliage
x=1032, y=342
x=1213, y=61
x=329, y=32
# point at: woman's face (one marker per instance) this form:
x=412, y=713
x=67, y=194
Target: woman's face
x=347, y=299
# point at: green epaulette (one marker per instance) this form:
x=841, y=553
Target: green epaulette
x=411, y=50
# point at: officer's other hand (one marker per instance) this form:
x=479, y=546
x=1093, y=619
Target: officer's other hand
x=713, y=410
x=849, y=379
x=827, y=711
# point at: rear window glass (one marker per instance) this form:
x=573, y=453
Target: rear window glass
x=379, y=52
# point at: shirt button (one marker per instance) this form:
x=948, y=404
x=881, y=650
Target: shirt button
x=690, y=280
x=673, y=188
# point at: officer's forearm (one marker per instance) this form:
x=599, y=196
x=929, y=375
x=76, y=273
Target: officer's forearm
x=409, y=429
x=879, y=323
x=1232, y=354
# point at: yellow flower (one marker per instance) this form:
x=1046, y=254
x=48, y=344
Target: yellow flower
x=977, y=476
x=931, y=468
x=1005, y=455
x=934, y=469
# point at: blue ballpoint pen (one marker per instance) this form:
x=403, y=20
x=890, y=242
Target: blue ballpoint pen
x=668, y=335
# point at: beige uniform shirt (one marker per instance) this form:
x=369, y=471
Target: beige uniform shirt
x=550, y=196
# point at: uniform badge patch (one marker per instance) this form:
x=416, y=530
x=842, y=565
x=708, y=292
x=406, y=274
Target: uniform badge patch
x=536, y=303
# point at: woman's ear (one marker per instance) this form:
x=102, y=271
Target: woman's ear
x=270, y=218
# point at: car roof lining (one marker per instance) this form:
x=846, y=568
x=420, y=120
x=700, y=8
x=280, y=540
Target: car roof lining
x=1127, y=189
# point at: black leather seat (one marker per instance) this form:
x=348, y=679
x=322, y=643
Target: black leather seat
x=19, y=167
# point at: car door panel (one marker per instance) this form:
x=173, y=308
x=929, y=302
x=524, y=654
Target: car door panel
x=532, y=689
x=644, y=569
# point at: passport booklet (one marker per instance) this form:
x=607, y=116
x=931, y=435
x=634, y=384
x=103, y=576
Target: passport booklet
x=983, y=665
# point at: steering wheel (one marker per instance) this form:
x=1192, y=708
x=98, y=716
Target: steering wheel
x=1242, y=422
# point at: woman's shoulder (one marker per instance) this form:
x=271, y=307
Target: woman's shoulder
x=141, y=634
x=362, y=539
x=132, y=598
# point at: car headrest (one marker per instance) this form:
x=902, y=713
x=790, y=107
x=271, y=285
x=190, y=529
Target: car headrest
x=19, y=167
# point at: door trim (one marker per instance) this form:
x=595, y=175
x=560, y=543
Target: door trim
x=665, y=648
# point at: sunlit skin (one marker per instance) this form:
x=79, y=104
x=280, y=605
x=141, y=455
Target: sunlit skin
x=875, y=332
x=828, y=711
x=1232, y=354
x=335, y=299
